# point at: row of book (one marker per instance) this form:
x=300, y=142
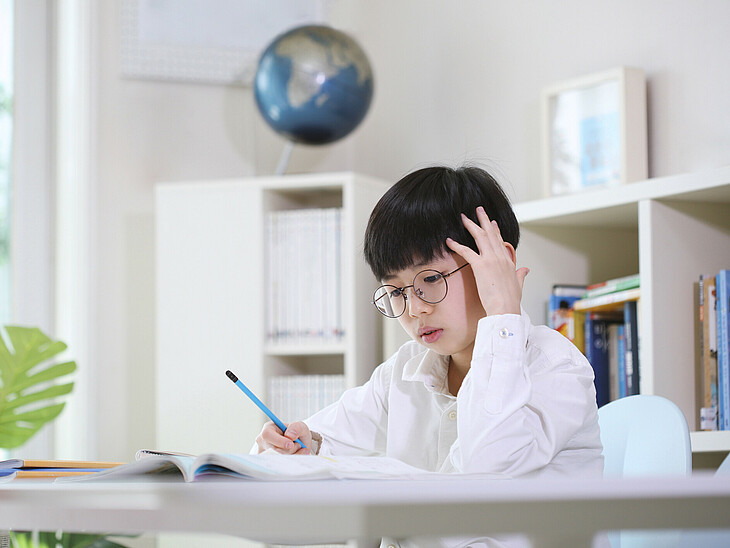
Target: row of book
x=714, y=349
x=603, y=321
x=303, y=278
x=296, y=397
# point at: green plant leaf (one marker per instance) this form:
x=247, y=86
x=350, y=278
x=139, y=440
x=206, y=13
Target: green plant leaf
x=47, y=374
x=27, y=400
x=42, y=415
x=50, y=392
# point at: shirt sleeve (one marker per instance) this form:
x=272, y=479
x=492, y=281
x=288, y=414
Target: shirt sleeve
x=517, y=408
x=357, y=423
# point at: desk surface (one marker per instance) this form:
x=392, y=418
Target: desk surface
x=558, y=512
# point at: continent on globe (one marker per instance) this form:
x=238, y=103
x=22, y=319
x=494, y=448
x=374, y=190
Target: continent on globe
x=313, y=85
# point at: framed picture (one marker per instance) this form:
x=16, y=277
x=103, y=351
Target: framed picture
x=206, y=41
x=594, y=132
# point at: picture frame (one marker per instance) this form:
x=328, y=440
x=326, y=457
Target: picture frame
x=594, y=132
x=206, y=41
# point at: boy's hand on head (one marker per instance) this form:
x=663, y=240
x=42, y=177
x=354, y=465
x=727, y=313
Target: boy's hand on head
x=271, y=437
x=498, y=280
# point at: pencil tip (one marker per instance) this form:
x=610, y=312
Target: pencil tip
x=231, y=376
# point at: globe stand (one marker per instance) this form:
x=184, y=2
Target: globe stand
x=284, y=158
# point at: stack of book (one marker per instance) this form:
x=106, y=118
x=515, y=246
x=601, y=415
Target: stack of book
x=296, y=397
x=40, y=469
x=604, y=324
x=714, y=344
x=303, y=281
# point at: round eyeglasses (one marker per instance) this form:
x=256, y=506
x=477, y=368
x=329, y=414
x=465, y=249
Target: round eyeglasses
x=428, y=285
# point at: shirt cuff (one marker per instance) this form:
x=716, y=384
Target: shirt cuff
x=502, y=335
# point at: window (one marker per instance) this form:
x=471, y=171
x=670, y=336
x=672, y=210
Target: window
x=6, y=128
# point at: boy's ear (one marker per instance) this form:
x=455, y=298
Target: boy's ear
x=512, y=252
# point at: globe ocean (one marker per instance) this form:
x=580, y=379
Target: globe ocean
x=313, y=85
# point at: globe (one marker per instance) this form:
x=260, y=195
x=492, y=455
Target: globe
x=313, y=85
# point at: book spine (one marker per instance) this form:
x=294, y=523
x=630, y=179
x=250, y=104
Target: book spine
x=613, y=388
x=612, y=286
x=708, y=352
x=621, y=359
x=597, y=355
x=631, y=338
x=611, y=298
x=723, y=355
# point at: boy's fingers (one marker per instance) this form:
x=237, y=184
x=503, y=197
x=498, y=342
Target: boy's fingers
x=465, y=251
x=521, y=275
x=486, y=230
x=275, y=438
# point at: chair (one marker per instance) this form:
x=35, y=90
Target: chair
x=644, y=436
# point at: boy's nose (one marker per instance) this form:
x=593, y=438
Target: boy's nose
x=415, y=305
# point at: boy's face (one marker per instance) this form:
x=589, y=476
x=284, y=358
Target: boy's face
x=449, y=327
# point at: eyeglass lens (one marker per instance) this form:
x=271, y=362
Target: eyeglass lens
x=428, y=285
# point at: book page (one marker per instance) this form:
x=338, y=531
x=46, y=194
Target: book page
x=272, y=466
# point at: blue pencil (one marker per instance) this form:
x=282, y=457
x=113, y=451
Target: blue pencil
x=260, y=404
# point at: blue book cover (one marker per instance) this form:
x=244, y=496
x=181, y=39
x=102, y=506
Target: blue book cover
x=722, y=282
x=631, y=339
x=621, y=361
x=597, y=349
x=560, y=307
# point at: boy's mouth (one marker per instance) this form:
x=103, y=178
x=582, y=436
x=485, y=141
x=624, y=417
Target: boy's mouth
x=430, y=334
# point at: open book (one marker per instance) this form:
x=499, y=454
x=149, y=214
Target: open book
x=265, y=466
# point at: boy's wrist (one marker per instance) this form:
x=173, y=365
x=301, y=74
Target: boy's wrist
x=316, y=443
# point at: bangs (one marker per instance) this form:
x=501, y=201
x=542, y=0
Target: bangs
x=412, y=220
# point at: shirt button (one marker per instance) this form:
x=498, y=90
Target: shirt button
x=452, y=415
x=504, y=332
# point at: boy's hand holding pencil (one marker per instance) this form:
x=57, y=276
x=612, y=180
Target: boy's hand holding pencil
x=271, y=437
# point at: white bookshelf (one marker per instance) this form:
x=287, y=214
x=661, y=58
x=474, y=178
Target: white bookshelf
x=211, y=302
x=670, y=230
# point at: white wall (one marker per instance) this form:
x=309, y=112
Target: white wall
x=454, y=81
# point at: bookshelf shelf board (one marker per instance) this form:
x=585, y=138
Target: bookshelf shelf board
x=305, y=349
x=618, y=206
x=704, y=442
x=670, y=230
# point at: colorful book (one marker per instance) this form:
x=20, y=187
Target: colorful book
x=30, y=468
x=631, y=340
x=609, y=301
x=612, y=286
x=722, y=282
x=560, y=308
x=708, y=350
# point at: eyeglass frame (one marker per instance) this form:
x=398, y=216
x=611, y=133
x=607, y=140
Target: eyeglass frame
x=405, y=295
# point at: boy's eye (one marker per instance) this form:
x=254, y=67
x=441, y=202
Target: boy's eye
x=432, y=278
x=396, y=293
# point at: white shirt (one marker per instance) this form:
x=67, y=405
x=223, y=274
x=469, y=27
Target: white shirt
x=526, y=406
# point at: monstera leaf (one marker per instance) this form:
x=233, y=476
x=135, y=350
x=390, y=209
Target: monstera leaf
x=27, y=397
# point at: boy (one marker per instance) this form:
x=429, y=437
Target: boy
x=479, y=389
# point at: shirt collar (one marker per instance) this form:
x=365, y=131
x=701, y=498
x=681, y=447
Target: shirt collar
x=429, y=368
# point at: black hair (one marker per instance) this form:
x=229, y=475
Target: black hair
x=410, y=223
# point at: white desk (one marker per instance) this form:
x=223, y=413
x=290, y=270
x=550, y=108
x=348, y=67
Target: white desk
x=555, y=513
